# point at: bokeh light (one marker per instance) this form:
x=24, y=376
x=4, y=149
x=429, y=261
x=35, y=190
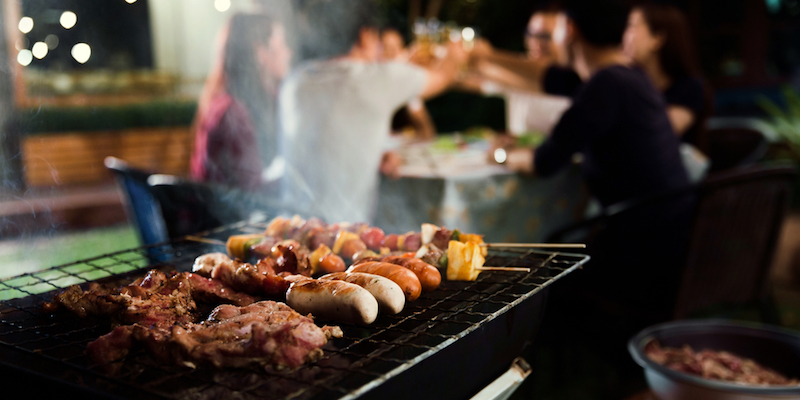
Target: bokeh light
x=21, y=43
x=51, y=41
x=24, y=57
x=130, y=1
x=222, y=5
x=39, y=50
x=25, y=24
x=81, y=52
x=68, y=19
x=468, y=34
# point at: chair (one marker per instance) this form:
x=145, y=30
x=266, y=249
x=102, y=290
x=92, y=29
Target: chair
x=732, y=238
x=730, y=147
x=141, y=207
x=164, y=207
x=189, y=207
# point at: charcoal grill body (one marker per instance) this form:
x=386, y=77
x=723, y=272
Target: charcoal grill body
x=462, y=369
x=450, y=343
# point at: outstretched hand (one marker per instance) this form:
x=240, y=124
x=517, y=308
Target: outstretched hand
x=390, y=164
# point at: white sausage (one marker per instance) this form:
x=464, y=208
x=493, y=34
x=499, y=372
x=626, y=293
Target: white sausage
x=389, y=295
x=333, y=300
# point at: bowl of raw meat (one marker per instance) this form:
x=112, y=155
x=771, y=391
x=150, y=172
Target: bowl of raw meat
x=719, y=359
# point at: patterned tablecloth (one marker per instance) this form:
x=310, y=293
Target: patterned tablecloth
x=459, y=189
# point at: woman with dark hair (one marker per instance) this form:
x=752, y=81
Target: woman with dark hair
x=235, y=126
x=658, y=40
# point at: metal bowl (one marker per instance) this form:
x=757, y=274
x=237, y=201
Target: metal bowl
x=770, y=346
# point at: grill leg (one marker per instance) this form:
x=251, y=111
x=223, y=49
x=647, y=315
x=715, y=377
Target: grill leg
x=506, y=384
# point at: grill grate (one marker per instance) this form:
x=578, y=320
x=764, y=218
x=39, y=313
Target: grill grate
x=54, y=345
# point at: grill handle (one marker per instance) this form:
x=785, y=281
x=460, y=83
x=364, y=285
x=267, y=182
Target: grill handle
x=506, y=384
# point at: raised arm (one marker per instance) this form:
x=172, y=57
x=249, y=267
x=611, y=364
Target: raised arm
x=507, y=68
x=444, y=73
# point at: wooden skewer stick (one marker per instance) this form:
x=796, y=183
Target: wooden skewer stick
x=205, y=240
x=537, y=245
x=512, y=269
x=247, y=229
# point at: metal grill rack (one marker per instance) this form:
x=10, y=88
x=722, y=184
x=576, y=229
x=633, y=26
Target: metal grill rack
x=41, y=345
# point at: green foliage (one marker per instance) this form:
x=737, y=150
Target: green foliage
x=785, y=123
x=69, y=119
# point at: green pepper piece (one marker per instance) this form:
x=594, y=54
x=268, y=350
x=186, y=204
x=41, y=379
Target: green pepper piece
x=456, y=234
x=443, y=261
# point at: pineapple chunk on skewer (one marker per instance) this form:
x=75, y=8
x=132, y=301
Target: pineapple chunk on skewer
x=464, y=261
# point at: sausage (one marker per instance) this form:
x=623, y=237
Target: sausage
x=373, y=237
x=351, y=248
x=402, y=276
x=333, y=300
x=331, y=263
x=389, y=295
x=429, y=276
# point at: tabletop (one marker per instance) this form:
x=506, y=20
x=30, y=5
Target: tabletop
x=450, y=182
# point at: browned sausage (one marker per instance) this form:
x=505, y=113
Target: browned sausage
x=428, y=275
x=331, y=263
x=351, y=248
x=402, y=276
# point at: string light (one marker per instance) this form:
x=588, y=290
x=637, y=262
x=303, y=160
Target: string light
x=222, y=5
x=25, y=24
x=68, y=19
x=468, y=34
x=81, y=52
x=24, y=57
x=39, y=50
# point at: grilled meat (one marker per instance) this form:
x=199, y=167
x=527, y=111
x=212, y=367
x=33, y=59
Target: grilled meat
x=259, y=279
x=148, y=301
x=264, y=333
x=711, y=364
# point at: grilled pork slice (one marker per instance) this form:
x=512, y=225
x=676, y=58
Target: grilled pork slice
x=259, y=279
x=263, y=333
x=153, y=299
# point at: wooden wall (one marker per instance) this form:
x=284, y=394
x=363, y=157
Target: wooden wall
x=77, y=157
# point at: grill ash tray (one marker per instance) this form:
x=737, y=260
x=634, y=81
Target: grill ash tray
x=42, y=353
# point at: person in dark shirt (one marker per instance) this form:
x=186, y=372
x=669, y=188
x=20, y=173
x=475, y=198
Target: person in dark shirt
x=618, y=123
x=658, y=40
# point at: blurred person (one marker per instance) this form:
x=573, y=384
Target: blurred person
x=335, y=112
x=235, y=125
x=413, y=115
x=618, y=123
x=393, y=46
x=658, y=41
x=530, y=104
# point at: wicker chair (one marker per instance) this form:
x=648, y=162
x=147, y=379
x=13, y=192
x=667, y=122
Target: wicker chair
x=732, y=238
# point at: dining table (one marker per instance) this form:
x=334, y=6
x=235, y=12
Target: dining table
x=450, y=181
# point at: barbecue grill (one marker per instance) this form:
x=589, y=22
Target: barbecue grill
x=449, y=343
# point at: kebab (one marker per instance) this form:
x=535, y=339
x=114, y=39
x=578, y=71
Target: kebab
x=360, y=241
x=449, y=250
